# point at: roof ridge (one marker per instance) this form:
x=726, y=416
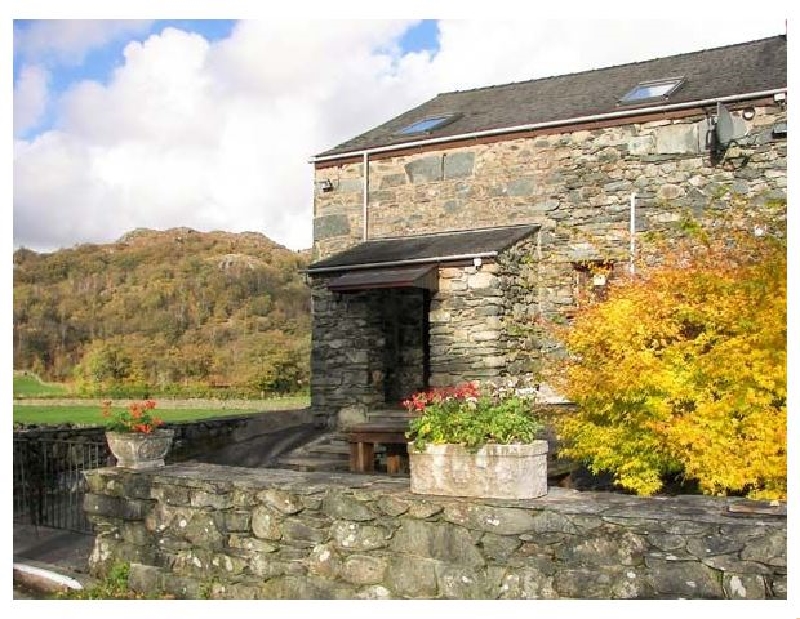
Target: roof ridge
x=614, y=66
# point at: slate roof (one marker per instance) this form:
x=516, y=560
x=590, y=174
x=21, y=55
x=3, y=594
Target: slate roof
x=723, y=71
x=424, y=249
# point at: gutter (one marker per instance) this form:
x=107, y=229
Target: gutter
x=406, y=262
x=551, y=123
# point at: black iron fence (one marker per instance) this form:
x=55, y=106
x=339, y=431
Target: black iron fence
x=49, y=483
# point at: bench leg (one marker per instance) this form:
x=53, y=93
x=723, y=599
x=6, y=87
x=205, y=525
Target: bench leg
x=395, y=455
x=392, y=463
x=362, y=457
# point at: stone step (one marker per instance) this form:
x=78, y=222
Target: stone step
x=330, y=448
x=337, y=439
x=312, y=464
x=386, y=415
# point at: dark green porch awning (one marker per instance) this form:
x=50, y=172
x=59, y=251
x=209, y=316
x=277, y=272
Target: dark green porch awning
x=425, y=276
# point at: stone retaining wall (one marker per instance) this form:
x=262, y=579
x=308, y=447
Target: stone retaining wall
x=206, y=531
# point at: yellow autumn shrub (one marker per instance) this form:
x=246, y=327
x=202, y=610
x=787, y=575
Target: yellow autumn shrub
x=682, y=370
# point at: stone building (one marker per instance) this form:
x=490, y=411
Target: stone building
x=440, y=230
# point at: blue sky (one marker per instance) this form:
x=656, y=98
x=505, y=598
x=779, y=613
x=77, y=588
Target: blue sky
x=210, y=124
x=98, y=63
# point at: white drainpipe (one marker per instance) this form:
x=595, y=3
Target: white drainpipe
x=366, y=194
x=633, y=231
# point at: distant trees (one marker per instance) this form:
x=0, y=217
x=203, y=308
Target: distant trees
x=165, y=311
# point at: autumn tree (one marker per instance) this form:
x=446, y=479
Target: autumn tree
x=682, y=370
x=178, y=312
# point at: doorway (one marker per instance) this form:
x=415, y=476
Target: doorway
x=406, y=335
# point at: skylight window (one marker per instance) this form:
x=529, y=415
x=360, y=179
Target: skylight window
x=656, y=89
x=426, y=125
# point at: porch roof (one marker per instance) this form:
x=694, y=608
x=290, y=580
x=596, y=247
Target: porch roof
x=399, y=277
x=435, y=248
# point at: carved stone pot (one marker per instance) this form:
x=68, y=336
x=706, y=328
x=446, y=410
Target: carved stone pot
x=492, y=472
x=139, y=450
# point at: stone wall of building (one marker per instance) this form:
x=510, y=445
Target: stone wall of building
x=218, y=532
x=483, y=320
x=576, y=185
x=368, y=348
x=346, y=364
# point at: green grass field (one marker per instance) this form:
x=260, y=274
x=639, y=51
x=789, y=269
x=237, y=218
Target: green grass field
x=29, y=386
x=87, y=411
x=90, y=414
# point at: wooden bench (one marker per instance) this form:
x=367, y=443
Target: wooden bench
x=363, y=438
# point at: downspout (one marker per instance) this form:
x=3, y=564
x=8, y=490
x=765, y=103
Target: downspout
x=633, y=231
x=366, y=194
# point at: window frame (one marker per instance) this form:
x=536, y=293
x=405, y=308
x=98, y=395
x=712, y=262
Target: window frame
x=676, y=81
x=443, y=121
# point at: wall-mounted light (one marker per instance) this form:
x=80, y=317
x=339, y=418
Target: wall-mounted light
x=326, y=185
x=477, y=262
x=749, y=113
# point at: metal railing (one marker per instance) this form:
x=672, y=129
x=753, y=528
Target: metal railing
x=49, y=484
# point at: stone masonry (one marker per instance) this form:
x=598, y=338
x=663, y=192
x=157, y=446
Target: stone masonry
x=569, y=182
x=202, y=531
x=575, y=185
x=368, y=346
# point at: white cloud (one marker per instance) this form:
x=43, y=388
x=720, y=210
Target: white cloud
x=218, y=135
x=68, y=40
x=532, y=48
x=30, y=97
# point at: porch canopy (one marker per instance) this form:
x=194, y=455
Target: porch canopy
x=413, y=261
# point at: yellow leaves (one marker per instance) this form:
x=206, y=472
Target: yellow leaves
x=685, y=368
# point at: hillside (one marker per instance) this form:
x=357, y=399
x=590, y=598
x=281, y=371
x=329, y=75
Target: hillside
x=175, y=311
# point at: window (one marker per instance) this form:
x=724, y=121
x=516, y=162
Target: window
x=427, y=124
x=591, y=280
x=653, y=90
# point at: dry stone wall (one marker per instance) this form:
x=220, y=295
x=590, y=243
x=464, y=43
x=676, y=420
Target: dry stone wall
x=204, y=531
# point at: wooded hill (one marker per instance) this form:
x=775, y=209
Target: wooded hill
x=178, y=311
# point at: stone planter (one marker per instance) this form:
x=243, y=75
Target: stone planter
x=493, y=472
x=137, y=450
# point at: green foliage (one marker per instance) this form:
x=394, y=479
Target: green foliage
x=683, y=369
x=206, y=589
x=462, y=416
x=181, y=312
x=113, y=587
